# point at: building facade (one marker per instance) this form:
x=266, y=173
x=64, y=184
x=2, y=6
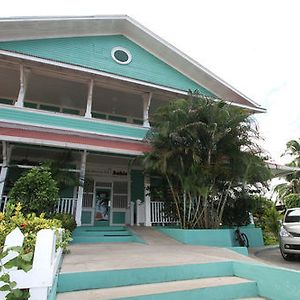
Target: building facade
x=86, y=86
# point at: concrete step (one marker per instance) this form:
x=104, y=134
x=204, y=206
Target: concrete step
x=103, y=234
x=102, y=228
x=88, y=239
x=214, y=288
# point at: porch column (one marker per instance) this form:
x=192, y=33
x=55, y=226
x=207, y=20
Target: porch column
x=147, y=201
x=81, y=187
x=23, y=86
x=6, y=150
x=88, y=110
x=146, y=106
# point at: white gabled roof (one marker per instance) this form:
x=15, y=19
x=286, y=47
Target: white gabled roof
x=24, y=28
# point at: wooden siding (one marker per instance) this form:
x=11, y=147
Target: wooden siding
x=95, y=53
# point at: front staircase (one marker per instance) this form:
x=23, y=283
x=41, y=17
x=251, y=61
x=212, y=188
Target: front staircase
x=103, y=234
x=212, y=281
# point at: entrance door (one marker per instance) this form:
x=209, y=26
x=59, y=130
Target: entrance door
x=119, y=209
x=102, y=206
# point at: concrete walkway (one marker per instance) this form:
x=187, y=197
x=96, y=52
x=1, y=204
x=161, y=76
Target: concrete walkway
x=158, y=250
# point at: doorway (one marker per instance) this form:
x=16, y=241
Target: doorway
x=102, y=206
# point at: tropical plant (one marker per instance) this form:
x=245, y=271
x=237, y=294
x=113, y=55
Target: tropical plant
x=29, y=225
x=205, y=150
x=37, y=191
x=292, y=200
x=58, y=169
x=67, y=220
x=266, y=217
x=271, y=218
x=292, y=184
x=238, y=208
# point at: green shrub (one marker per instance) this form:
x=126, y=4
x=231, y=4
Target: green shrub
x=67, y=220
x=29, y=226
x=292, y=200
x=37, y=192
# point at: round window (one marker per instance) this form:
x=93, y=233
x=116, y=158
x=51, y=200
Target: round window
x=121, y=55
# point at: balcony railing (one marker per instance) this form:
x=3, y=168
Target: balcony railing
x=64, y=205
x=53, y=120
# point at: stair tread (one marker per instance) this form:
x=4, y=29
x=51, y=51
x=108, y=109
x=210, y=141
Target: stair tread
x=153, y=288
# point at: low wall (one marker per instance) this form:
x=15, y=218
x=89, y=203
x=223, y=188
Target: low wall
x=272, y=283
x=214, y=237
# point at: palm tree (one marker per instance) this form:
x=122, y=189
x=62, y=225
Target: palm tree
x=204, y=149
x=292, y=184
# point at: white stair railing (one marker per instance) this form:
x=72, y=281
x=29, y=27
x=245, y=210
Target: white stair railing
x=39, y=280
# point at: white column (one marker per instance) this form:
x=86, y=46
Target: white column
x=147, y=201
x=6, y=150
x=146, y=106
x=23, y=86
x=131, y=213
x=88, y=111
x=80, y=189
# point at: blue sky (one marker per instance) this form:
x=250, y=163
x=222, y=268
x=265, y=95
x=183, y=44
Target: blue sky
x=251, y=44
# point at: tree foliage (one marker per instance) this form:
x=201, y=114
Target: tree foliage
x=37, y=191
x=207, y=152
x=58, y=169
x=292, y=184
x=292, y=200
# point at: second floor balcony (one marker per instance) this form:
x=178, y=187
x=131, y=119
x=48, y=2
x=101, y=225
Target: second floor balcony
x=50, y=97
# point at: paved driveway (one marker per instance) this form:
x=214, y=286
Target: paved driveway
x=272, y=256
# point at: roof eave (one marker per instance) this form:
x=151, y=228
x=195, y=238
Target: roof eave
x=44, y=27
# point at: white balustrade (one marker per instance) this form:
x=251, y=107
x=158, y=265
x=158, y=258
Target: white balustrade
x=158, y=216
x=66, y=205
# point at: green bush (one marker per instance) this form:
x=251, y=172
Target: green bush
x=37, y=192
x=67, y=220
x=29, y=225
x=292, y=200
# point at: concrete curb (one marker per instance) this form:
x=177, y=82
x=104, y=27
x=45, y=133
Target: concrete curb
x=266, y=248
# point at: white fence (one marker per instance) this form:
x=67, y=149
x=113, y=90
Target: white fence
x=64, y=205
x=157, y=215
x=40, y=278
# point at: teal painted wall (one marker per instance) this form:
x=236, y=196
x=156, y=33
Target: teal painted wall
x=213, y=237
x=86, y=217
x=273, y=283
x=254, y=235
x=137, y=185
x=36, y=118
x=225, y=292
x=113, y=278
x=118, y=217
x=95, y=53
